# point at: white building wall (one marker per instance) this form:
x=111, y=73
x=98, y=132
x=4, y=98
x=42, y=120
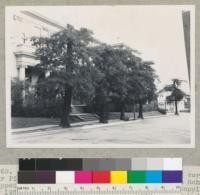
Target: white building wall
x=20, y=27
x=170, y=107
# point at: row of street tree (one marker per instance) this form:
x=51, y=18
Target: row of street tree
x=77, y=66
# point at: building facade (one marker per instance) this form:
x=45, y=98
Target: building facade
x=183, y=105
x=21, y=26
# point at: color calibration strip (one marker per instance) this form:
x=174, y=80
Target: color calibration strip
x=102, y=171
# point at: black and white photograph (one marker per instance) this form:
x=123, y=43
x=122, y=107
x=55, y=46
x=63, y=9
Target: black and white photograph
x=100, y=76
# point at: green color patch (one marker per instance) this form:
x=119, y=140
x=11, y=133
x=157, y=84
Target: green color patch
x=136, y=176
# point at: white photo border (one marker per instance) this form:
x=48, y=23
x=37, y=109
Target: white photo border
x=9, y=143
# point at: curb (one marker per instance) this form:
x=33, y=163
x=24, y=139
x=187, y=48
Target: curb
x=86, y=126
x=110, y=124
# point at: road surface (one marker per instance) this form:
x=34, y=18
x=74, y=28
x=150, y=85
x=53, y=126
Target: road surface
x=157, y=130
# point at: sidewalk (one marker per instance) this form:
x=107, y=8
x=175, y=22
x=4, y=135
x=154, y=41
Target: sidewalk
x=84, y=125
x=163, y=130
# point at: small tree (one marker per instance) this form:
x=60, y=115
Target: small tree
x=104, y=62
x=133, y=89
x=125, y=68
x=146, y=88
x=176, y=93
x=21, y=93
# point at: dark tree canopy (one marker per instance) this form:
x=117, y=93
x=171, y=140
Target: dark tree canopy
x=74, y=65
x=65, y=57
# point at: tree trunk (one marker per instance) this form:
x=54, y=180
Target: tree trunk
x=176, y=107
x=104, y=113
x=65, y=122
x=133, y=111
x=140, y=111
x=122, y=111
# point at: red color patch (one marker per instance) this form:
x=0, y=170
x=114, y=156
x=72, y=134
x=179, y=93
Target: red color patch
x=101, y=177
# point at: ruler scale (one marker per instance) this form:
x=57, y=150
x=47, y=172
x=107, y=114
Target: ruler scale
x=138, y=189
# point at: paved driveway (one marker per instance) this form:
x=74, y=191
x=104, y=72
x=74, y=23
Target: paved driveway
x=158, y=130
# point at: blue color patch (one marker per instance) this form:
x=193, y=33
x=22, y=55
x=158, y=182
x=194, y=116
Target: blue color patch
x=153, y=176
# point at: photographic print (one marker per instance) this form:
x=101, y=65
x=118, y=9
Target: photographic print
x=100, y=76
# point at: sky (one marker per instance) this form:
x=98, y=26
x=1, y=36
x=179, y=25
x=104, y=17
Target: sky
x=155, y=31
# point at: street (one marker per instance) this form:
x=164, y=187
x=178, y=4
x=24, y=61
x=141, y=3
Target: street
x=165, y=129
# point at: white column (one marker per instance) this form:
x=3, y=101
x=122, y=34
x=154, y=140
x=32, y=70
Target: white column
x=21, y=73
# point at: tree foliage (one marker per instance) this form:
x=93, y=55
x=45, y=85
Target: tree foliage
x=74, y=65
x=176, y=93
x=17, y=88
x=65, y=56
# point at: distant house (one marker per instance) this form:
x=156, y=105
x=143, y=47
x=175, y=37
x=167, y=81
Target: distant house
x=183, y=105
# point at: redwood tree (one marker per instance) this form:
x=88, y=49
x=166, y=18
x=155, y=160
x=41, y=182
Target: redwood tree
x=63, y=57
x=103, y=60
x=125, y=61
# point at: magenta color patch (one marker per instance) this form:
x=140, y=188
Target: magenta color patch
x=83, y=176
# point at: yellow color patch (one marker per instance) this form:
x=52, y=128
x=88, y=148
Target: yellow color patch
x=118, y=177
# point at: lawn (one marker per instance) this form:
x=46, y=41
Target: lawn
x=21, y=122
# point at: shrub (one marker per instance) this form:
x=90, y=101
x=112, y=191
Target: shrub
x=36, y=111
x=162, y=111
x=17, y=88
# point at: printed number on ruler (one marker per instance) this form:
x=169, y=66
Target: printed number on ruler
x=94, y=189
